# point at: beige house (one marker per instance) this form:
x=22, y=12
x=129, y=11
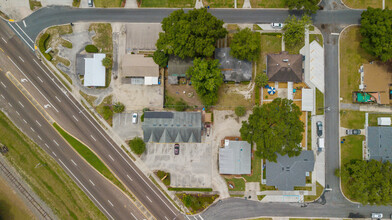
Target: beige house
x=142, y=69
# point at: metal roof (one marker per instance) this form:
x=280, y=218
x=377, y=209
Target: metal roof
x=288, y=172
x=172, y=127
x=137, y=65
x=232, y=68
x=235, y=158
x=307, y=100
x=379, y=143
x=94, y=71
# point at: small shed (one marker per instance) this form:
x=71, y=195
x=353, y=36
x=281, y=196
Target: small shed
x=207, y=118
x=386, y=121
x=307, y=100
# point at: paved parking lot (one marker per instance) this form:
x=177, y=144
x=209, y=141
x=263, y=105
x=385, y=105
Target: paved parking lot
x=122, y=125
x=191, y=168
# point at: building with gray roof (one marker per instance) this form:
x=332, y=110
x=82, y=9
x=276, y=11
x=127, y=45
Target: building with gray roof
x=177, y=67
x=232, y=68
x=235, y=158
x=288, y=172
x=379, y=143
x=172, y=127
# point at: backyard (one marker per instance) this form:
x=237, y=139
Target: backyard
x=352, y=56
x=373, y=118
x=270, y=43
x=233, y=95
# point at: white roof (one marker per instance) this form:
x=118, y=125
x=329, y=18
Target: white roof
x=94, y=71
x=150, y=80
x=384, y=121
x=317, y=65
x=307, y=100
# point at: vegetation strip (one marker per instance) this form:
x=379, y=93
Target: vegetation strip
x=190, y=189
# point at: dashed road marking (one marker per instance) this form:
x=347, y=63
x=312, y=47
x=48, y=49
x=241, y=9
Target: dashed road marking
x=54, y=154
x=40, y=79
x=133, y=215
x=56, y=142
x=17, y=113
x=3, y=84
x=166, y=218
x=93, y=137
x=111, y=157
x=73, y=162
x=32, y=129
x=24, y=23
x=129, y=177
x=38, y=123
x=21, y=104
x=110, y=203
x=21, y=59
x=201, y=217
x=46, y=145
x=40, y=137
x=58, y=99
x=2, y=96
x=9, y=104
x=75, y=117
x=91, y=182
x=4, y=40
x=148, y=199
x=25, y=121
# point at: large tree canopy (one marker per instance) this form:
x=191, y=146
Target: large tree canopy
x=376, y=31
x=191, y=34
x=275, y=128
x=294, y=29
x=206, y=78
x=370, y=182
x=246, y=45
x=309, y=6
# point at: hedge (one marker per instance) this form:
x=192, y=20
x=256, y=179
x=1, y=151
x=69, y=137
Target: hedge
x=41, y=46
x=91, y=49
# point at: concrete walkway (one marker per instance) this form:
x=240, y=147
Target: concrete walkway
x=366, y=108
x=131, y=4
x=247, y=4
x=199, y=4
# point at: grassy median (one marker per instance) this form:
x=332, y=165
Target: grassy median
x=48, y=180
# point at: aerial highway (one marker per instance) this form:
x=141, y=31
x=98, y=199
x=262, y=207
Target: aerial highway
x=70, y=115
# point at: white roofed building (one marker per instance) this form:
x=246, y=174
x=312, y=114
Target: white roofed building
x=94, y=71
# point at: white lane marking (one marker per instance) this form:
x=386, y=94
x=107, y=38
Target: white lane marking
x=25, y=121
x=73, y=162
x=2, y=96
x=133, y=215
x=21, y=59
x=129, y=177
x=9, y=104
x=40, y=79
x=91, y=195
x=17, y=113
x=22, y=37
x=148, y=199
x=75, y=117
x=166, y=218
x=3, y=84
x=21, y=104
x=24, y=23
x=195, y=217
x=46, y=145
x=111, y=157
x=39, y=137
x=34, y=85
x=187, y=217
x=93, y=137
x=58, y=99
x=24, y=32
x=56, y=142
x=335, y=34
x=4, y=40
x=110, y=202
x=54, y=154
x=32, y=129
x=201, y=217
x=38, y=123
x=91, y=182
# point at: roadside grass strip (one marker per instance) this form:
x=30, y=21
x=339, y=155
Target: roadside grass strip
x=190, y=189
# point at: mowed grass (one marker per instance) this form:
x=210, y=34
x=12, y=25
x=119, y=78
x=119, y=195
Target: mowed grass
x=263, y=3
x=256, y=170
x=107, y=3
x=238, y=183
x=168, y=3
x=319, y=191
x=351, y=149
x=105, y=109
x=269, y=44
x=319, y=102
x=11, y=204
x=388, y=3
x=363, y=4
x=89, y=156
x=221, y=3
x=48, y=180
x=352, y=56
x=352, y=119
x=316, y=37
x=373, y=118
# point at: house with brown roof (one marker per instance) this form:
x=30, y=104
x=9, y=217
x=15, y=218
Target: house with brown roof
x=376, y=80
x=142, y=69
x=285, y=67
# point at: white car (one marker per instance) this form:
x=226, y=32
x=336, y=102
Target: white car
x=134, y=118
x=377, y=215
x=277, y=25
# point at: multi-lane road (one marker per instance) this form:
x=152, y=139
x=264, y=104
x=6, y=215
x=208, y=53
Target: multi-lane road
x=68, y=113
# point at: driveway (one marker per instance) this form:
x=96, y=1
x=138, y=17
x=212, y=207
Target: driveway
x=191, y=168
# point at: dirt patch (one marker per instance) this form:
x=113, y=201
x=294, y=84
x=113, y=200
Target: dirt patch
x=233, y=95
x=183, y=91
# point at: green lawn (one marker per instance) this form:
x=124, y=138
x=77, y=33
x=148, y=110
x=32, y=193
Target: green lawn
x=105, y=109
x=319, y=191
x=319, y=102
x=263, y=3
x=256, y=170
x=164, y=177
x=309, y=147
x=196, y=202
x=270, y=43
x=352, y=119
x=48, y=180
x=295, y=48
x=351, y=149
x=107, y=3
x=373, y=118
x=388, y=3
x=220, y=3
x=316, y=37
x=168, y=3
x=89, y=156
x=239, y=184
x=352, y=56
x=363, y=4
x=190, y=189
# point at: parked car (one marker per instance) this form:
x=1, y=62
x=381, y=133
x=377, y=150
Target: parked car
x=134, y=118
x=377, y=215
x=353, y=131
x=90, y=3
x=277, y=25
x=319, y=126
x=176, y=149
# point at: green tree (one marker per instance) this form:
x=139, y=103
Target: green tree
x=107, y=62
x=191, y=34
x=160, y=58
x=118, y=107
x=294, y=30
x=137, y=145
x=309, y=6
x=206, y=78
x=376, y=31
x=240, y=111
x=180, y=106
x=275, y=128
x=246, y=45
x=261, y=80
x=91, y=49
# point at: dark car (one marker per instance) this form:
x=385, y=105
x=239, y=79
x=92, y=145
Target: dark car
x=176, y=149
x=319, y=126
x=353, y=131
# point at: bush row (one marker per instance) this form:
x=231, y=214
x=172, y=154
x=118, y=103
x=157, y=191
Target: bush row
x=41, y=46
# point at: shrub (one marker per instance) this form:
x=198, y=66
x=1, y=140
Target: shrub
x=137, y=145
x=107, y=62
x=91, y=49
x=240, y=111
x=261, y=80
x=107, y=113
x=180, y=106
x=160, y=58
x=41, y=45
x=118, y=107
